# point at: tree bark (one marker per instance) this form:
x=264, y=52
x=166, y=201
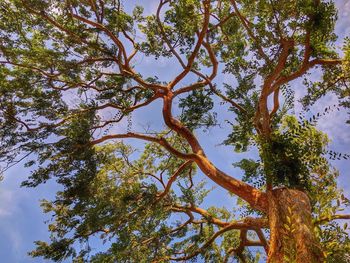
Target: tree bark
x=292, y=237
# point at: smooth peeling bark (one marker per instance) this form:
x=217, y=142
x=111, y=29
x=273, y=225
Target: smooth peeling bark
x=256, y=198
x=292, y=237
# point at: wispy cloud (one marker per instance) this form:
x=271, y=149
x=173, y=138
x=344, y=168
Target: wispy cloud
x=333, y=123
x=343, y=24
x=7, y=204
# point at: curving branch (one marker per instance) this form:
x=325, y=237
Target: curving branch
x=163, y=34
x=245, y=242
x=59, y=26
x=327, y=219
x=303, y=69
x=172, y=179
x=174, y=230
x=199, y=43
x=248, y=222
x=243, y=225
x=262, y=115
x=205, y=214
x=110, y=34
x=161, y=141
x=256, y=198
x=250, y=32
x=206, y=79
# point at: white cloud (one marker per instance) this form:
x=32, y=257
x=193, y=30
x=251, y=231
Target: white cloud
x=332, y=123
x=7, y=204
x=343, y=23
x=16, y=240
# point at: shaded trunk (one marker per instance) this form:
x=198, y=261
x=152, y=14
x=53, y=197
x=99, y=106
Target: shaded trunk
x=292, y=237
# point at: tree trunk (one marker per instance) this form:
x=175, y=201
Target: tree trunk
x=292, y=237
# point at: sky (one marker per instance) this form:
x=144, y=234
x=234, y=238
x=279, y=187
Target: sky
x=22, y=221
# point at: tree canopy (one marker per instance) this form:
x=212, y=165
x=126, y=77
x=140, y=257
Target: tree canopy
x=71, y=84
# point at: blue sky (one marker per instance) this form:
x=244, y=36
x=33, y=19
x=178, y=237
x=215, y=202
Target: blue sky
x=22, y=221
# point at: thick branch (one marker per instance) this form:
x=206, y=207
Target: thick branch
x=262, y=116
x=253, y=196
x=303, y=69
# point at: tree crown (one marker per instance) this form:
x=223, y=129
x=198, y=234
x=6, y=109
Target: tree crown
x=71, y=82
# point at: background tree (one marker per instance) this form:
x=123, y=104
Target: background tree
x=70, y=80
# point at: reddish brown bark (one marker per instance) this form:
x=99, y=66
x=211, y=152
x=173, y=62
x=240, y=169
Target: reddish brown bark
x=253, y=196
x=292, y=238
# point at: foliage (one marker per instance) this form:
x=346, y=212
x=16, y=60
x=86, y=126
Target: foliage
x=196, y=110
x=293, y=151
x=71, y=82
x=121, y=210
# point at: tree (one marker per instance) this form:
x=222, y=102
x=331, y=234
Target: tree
x=67, y=66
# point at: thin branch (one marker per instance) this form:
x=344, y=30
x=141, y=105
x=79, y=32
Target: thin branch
x=206, y=244
x=250, y=32
x=163, y=34
x=302, y=70
x=161, y=141
x=326, y=219
x=174, y=230
x=205, y=214
x=200, y=40
x=244, y=225
x=222, y=22
x=173, y=178
x=61, y=27
x=245, y=242
x=108, y=32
